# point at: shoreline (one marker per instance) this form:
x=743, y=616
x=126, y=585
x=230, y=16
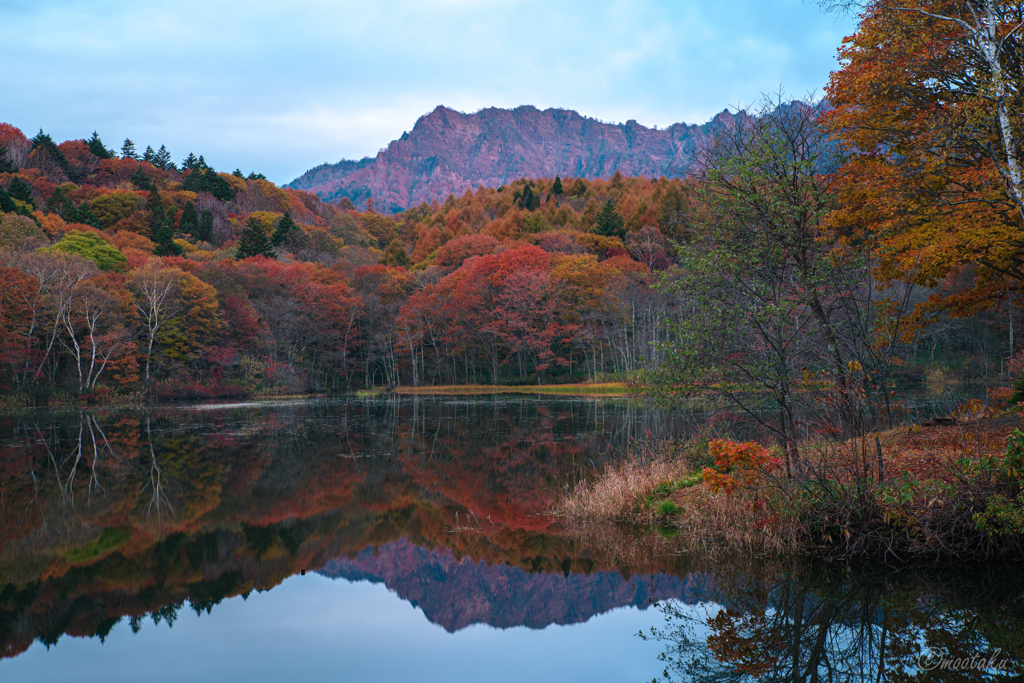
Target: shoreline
x=601, y=389
x=138, y=401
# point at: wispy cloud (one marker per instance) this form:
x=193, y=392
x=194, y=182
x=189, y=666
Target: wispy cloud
x=279, y=87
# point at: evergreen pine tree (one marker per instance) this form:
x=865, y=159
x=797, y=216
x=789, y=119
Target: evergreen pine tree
x=189, y=219
x=46, y=143
x=128, y=150
x=205, y=231
x=609, y=222
x=6, y=166
x=238, y=173
x=149, y=155
x=202, y=164
x=253, y=242
x=81, y=213
x=162, y=158
x=190, y=162
x=256, y=176
x=7, y=204
x=97, y=147
x=207, y=180
x=140, y=180
x=284, y=226
x=57, y=203
x=163, y=236
x=60, y=204
x=161, y=226
x=20, y=190
x=157, y=215
x=556, y=189
x=526, y=198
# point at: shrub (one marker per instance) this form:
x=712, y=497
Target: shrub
x=668, y=509
x=737, y=465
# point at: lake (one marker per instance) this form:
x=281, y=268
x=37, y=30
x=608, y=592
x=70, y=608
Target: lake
x=408, y=538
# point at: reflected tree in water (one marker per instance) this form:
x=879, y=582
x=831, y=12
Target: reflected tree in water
x=837, y=627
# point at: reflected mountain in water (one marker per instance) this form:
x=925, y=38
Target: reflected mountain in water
x=458, y=593
x=133, y=514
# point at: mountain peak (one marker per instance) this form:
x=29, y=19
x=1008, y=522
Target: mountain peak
x=448, y=152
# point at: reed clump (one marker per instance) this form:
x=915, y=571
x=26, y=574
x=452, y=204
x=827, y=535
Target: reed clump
x=955, y=491
x=662, y=487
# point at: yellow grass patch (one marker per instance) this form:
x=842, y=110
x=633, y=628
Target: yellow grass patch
x=602, y=389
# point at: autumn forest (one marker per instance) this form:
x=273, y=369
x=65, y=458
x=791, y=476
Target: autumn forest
x=126, y=273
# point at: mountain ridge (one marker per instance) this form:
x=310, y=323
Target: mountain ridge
x=449, y=152
x=457, y=593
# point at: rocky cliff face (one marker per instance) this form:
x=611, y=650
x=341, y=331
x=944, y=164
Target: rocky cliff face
x=455, y=594
x=448, y=152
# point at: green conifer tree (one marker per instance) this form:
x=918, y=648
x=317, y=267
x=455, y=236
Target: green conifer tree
x=207, y=180
x=6, y=165
x=128, y=150
x=57, y=203
x=253, y=242
x=189, y=162
x=7, y=204
x=162, y=159
x=97, y=147
x=161, y=226
x=20, y=190
x=46, y=143
x=189, y=219
x=205, y=232
x=609, y=222
x=527, y=198
x=163, y=237
x=82, y=213
x=140, y=180
x=284, y=227
x=149, y=156
x=556, y=189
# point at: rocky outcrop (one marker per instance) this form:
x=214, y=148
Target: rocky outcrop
x=458, y=593
x=448, y=152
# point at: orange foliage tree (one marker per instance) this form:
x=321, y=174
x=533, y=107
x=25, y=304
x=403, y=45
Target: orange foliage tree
x=926, y=105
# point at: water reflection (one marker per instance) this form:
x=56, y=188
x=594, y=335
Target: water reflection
x=814, y=623
x=157, y=516
x=105, y=517
x=455, y=594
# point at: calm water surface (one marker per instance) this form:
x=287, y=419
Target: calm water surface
x=406, y=539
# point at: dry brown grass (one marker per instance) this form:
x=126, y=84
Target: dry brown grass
x=620, y=492
x=624, y=497
x=837, y=506
x=741, y=521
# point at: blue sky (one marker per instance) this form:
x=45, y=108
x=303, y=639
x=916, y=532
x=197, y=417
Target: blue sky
x=279, y=87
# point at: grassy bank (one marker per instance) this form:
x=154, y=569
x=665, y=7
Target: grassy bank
x=954, y=491
x=602, y=389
